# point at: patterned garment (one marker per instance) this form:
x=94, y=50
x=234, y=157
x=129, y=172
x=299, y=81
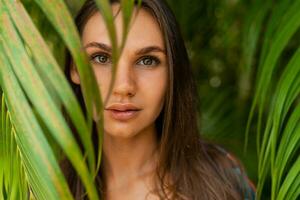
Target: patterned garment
x=247, y=187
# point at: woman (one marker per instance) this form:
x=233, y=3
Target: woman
x=151, y=147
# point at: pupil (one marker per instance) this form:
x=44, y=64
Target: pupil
x=147, y=61
x=102, y=59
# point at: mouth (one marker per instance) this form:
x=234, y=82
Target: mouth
x=122, y=115
x=123, y=111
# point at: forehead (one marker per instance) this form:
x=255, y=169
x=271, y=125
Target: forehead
x=144, y=29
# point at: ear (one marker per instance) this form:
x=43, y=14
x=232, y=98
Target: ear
x=74, y=75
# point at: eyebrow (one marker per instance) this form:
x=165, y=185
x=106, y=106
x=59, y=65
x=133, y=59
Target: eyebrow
x=98, y=45
x=141, y=51
x=149, y=49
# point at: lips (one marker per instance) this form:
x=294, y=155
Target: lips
x=122, y=112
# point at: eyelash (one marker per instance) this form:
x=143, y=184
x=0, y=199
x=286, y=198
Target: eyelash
x=108, y=59
x=94, y=56
x=153, y=59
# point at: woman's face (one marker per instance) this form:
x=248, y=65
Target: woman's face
x=141, y=76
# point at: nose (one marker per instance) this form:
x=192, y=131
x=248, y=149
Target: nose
x=125, y=84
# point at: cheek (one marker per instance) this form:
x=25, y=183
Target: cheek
x=103, y=80
x=153, y=88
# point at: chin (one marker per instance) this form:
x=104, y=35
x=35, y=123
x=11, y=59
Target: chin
x=120, y=134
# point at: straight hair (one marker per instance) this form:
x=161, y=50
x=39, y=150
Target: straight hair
x=188, y=167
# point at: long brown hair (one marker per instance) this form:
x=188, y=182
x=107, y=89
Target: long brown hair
x=198, y=170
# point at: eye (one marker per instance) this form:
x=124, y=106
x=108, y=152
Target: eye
x=149, y=61
x=100, y=59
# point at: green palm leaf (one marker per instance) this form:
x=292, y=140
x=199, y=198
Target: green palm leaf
x=35, y=150
x=35, y=91
x=13, y=186
x=280, y=139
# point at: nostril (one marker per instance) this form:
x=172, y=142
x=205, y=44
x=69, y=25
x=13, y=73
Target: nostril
x=124, y=85
x=124, y=91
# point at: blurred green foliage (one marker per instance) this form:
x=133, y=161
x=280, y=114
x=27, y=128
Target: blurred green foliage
x=213, y=31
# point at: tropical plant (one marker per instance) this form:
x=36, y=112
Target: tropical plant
x=33, y=90
x=255, y=43
x=276, y=98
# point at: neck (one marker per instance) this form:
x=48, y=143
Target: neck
x=126, y=159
